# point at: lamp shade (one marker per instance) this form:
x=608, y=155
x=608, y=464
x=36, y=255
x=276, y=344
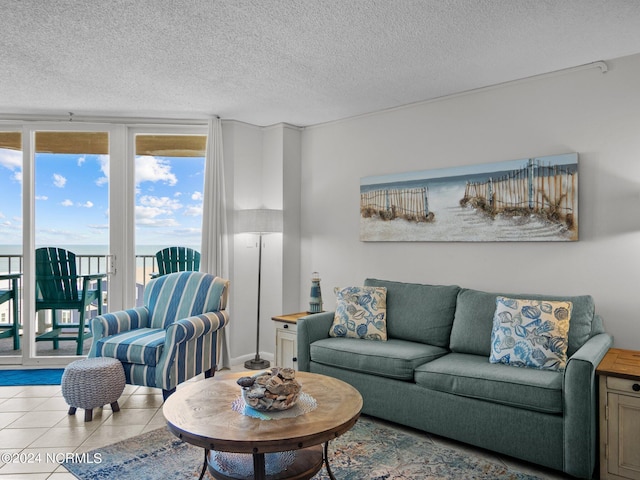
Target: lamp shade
x=260, y=220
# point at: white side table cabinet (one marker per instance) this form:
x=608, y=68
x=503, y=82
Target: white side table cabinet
x=286, y=339
x=619, y=377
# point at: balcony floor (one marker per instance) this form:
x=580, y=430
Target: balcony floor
x=43, y=349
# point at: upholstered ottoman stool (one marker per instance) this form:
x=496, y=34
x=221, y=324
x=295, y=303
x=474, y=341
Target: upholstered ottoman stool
x=92, y=383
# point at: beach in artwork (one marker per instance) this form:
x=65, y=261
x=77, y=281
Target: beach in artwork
x=519, y=200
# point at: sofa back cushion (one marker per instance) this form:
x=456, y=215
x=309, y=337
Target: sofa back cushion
x=473, y=323
x=419, y=313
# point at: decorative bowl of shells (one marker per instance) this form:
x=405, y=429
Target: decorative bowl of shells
x=272, y=390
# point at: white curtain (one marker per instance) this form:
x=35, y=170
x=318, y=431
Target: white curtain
x=215, y=248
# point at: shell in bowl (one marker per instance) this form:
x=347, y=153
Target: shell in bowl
x=272, y=390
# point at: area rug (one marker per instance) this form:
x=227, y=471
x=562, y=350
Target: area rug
x=40, y=376
x=371, y=450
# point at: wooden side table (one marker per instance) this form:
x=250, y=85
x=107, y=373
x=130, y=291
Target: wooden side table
x=619, y=377
x=286, y=339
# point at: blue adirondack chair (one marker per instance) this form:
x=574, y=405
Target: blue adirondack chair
x=57, y=288
x=11, y=329
x=176, y=259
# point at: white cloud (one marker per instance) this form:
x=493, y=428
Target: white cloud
x=99, y=227
x=58, y=180
x=11, y=159
x=87, y=204
x=42, y=197
x=1, y=215
x=81, y=160
x=187, y=231
x=156, y=211
x=193, y=211
x=17, y=176
x=159, y=222
x=196, y=196
x=152, y=169
x=164, y=203
x=104, y=168
x=66, y=203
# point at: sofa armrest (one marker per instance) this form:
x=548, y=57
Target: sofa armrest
x=579, y=391
x=116, y=322
x=311, y=328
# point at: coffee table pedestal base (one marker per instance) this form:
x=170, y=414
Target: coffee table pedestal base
x=307, y=462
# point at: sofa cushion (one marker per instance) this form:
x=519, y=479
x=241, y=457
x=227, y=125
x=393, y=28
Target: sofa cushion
x=530, y=333
x=419, y=313
x=471, y=332
x=142, y=345
x=393, y=359
x=473, y=376
x=361, y=312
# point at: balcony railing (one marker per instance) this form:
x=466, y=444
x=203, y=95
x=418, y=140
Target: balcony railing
x=86, y=265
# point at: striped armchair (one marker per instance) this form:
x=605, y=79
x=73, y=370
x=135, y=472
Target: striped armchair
x=172, y=337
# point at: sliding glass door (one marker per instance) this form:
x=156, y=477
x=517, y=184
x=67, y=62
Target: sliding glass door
x=110, y=194
x=10, y=243
x=169, y=185
x=71, y=179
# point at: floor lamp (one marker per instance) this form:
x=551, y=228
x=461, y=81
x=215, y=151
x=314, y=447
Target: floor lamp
x=260, y=222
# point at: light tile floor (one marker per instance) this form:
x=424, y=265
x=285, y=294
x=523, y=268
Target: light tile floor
x=37, y=432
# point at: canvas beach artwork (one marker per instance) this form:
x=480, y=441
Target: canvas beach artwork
x=531, y=199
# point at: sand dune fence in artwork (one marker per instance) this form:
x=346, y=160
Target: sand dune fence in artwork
x=533, y=199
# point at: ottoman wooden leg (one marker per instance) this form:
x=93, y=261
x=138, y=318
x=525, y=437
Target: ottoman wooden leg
x=88, y=414
x=115, y=407
x=72, y=410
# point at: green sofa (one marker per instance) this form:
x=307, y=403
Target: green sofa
x=433, y=373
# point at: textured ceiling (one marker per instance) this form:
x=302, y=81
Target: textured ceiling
x=297, y=61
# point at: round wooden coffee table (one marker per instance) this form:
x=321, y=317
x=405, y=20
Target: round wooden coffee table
x=205, y=414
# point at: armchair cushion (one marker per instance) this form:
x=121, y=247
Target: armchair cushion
x=142, y=346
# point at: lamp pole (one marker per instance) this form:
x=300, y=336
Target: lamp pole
x=259, y=221
x=258, y=363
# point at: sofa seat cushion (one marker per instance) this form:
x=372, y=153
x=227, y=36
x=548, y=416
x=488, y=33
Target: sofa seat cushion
x=473, y=376
x=394, y=358
x=142, y=346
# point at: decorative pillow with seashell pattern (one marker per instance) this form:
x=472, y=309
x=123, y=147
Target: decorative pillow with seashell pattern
x=361, y=312
x=530, y=333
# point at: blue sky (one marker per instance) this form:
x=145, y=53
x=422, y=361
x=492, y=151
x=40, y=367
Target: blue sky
x=72, y=206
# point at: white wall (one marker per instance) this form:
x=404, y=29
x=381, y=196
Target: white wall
x=594, y=114
x=264, y=171
x=243, y=152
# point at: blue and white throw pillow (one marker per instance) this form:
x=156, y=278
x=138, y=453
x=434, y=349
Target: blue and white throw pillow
x=530, y=333
x=361, y=312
